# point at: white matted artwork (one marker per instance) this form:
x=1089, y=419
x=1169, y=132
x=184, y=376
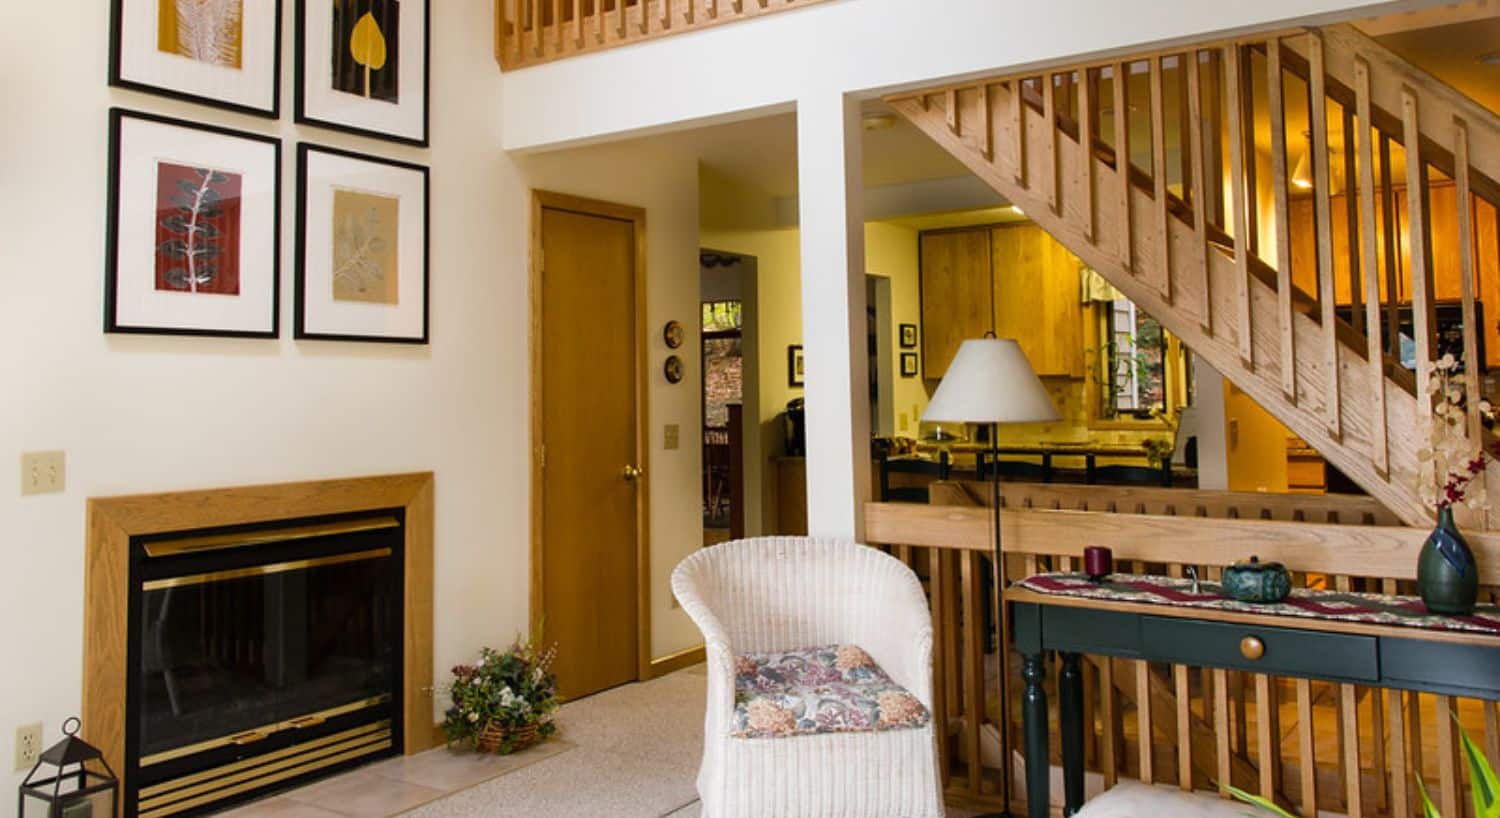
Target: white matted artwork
x=225, y=53
x=361, y=247
x=194, y=229
x=362, y=67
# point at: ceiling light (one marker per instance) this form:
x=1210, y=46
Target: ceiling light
x=878, y=122
x=1016, y=209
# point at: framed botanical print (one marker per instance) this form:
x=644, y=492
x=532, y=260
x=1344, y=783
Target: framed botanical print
x=362, y=67
x=194, y=229
x=908, y=336
x=908, y=364
x=361, y=247
x=796, y=371
x=225, y=53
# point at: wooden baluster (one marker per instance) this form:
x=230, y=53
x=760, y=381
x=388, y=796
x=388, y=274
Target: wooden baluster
x=713, y=9
x=1323, y=212
x=600, y=32
x=1049, y=144
x=1201, y=195
x=1491, y=731
x=1109, y=724
x=1449, y=779
x=1377, y=730
x=1351, y=224
x=1370, y=264
x=1122, y=165
x=578, y=39
x=1184, y=727
x=1417, y=227
x=1159, y=181
x=941, y=588
x=1090, y=709
x=1349, y=738
x=1307, y=766
x=690, y=11
x=1222, y=730
x=558, y=28
x=1472, y=329
x=538, y=29
x=1276, y=89
x=666, y=14
x=1239, y=204
x=1143, y=721
x=1388, y=214
x=1400, y=778
x=986, y=122
x=1414, y=731
x=973, y=664
x=951, y=633
x=620, y=28
x=1018, y=122
x=645, y=23
x=950, y=103
x=1267, y=735
x=502, y=31
x=1086, y=125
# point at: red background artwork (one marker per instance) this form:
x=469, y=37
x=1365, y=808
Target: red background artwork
x=212, y=239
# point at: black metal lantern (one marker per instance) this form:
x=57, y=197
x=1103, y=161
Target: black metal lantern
x=73, y=785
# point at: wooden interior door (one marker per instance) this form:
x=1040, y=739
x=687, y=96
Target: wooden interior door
x=591, y=390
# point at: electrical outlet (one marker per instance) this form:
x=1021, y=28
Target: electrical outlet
x=42, y=472
x=28, y=746
x=671, y=436
x=901, y=422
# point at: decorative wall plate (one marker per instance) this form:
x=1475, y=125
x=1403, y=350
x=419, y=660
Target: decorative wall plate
x=672, y=369
x=672, y=333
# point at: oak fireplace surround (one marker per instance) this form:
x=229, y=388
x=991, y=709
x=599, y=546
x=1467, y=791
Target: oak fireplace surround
x=371, y=543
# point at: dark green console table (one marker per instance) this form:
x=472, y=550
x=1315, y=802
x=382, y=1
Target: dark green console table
x=1446, y=662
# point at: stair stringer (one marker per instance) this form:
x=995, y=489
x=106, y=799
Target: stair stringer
x=981, y=132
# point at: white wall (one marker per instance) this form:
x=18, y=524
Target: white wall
x=853, y=46
x=260, y=410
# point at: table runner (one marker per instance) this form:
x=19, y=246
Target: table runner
x=1348, y=606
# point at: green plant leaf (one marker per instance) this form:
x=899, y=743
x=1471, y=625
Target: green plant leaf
x=1484, y=787
x=1429, y=810
x=1263, y=803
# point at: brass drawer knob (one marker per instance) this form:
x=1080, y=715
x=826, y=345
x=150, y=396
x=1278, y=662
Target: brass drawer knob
x=1252, y=648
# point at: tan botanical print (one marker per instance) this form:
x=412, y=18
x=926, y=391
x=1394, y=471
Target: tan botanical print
x=365, y=260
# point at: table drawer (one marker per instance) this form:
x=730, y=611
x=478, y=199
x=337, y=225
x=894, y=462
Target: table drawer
x=1287, y=651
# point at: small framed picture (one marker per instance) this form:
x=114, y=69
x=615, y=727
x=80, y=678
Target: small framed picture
x=361, y=247
x=194, y=229
x=362, y=67
x=224, y=53
x=795, y=374
x=908, y=336
x=908, y=364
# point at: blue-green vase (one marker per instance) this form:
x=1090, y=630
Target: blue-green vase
x=1447, y=576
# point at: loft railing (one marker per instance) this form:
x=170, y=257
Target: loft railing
x=1309, y=745
x=529, y=32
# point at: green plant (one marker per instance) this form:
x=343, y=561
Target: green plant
x=510, y=690
x=1484, y=787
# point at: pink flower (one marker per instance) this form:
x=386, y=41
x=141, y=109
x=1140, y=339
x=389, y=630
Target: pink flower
x=764, y=716
x=852, y=657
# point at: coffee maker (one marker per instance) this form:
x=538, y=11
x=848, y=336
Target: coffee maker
x=794, y=425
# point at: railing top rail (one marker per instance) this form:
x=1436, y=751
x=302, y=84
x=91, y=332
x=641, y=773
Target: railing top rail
x=1388, y=552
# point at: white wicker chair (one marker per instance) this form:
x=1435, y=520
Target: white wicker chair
x=782, y=593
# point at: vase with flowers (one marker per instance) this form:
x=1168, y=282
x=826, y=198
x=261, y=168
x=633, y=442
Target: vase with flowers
x=504, y=701
x=1447, y=576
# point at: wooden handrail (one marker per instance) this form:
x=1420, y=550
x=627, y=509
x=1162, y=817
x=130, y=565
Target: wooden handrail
x=532, y=32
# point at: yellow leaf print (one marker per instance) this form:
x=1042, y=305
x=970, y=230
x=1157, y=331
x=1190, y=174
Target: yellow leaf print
x=367, y=46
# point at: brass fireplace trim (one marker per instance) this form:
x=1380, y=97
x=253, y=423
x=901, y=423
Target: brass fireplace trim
x=263, y=732
x=113, y=521
x=219, y=776
x=219, y=542
x=264, y=570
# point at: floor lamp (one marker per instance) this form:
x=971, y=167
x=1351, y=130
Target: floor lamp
x=991, y=382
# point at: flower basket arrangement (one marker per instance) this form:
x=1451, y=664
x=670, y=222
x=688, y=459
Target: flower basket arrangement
x=505, y=701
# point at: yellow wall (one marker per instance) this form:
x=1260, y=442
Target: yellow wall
x=1256, y=444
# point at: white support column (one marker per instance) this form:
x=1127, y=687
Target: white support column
x=1213, y=448
x=830, y=190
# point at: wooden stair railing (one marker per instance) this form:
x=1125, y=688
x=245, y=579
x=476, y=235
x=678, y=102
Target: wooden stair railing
x=531, y=32
x=1238, y=255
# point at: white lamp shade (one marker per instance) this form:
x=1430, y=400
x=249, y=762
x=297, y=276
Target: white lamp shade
x=990, y=381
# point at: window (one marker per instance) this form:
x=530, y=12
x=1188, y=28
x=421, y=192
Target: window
x=1135, y=361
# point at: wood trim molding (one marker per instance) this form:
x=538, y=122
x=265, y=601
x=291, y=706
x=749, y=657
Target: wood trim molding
x=674, y=662
x=112, y=521
x=542, y=199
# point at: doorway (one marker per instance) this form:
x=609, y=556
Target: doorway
x=589, y=522
x=730, y=394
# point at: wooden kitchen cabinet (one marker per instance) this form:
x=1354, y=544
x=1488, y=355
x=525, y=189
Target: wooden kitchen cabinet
x=957, y=294
x=1037, y=299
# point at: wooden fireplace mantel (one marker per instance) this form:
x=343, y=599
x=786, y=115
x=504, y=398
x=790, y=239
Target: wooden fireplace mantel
x=112, y=521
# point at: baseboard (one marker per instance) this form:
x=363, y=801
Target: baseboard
x=677, y=661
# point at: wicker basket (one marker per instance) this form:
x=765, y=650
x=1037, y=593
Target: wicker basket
x=512, y=739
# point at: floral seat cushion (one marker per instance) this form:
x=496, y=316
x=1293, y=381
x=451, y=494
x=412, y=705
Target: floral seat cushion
x=828, y=689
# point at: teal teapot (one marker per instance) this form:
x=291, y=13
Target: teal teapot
x=1257, y=581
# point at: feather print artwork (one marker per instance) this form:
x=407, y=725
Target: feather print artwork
x=209, y=31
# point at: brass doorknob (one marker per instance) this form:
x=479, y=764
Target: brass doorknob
x=631, y=472
x=1252, y=648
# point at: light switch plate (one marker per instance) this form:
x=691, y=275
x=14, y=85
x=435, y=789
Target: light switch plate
x=901, y=421
x=671, y=436
x=42, y=472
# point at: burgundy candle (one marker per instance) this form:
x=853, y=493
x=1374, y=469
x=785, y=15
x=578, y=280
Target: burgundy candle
x=1098, y=562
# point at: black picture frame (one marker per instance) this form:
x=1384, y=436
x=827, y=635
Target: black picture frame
x=117, y=78
x=300, y=331
x=908, y=336
x=908, y=364
x=299, y=97
x=795, y=371
x=112, y=325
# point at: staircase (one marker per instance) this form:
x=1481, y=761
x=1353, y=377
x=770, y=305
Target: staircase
x=1274, y=207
